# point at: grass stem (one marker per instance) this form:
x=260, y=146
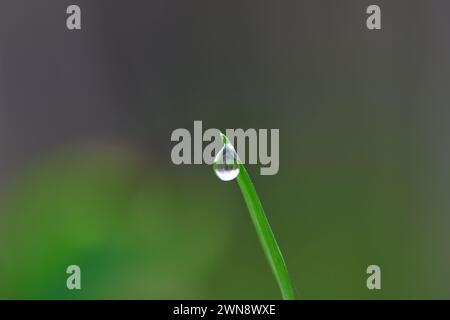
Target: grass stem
x=265, y=234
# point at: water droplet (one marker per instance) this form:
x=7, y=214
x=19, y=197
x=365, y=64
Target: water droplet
x=226, y=162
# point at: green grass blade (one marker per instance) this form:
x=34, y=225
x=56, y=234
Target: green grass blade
x=265, y=234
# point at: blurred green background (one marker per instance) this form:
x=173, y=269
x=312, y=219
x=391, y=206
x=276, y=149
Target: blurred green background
x=85, y=170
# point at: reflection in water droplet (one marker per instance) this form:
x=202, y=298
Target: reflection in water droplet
x=226, y=162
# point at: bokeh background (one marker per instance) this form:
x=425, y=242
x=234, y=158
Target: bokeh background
x=85, y=170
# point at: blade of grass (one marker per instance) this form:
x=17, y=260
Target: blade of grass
x=265, y=234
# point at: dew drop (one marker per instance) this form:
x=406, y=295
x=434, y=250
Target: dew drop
x=226, y=162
